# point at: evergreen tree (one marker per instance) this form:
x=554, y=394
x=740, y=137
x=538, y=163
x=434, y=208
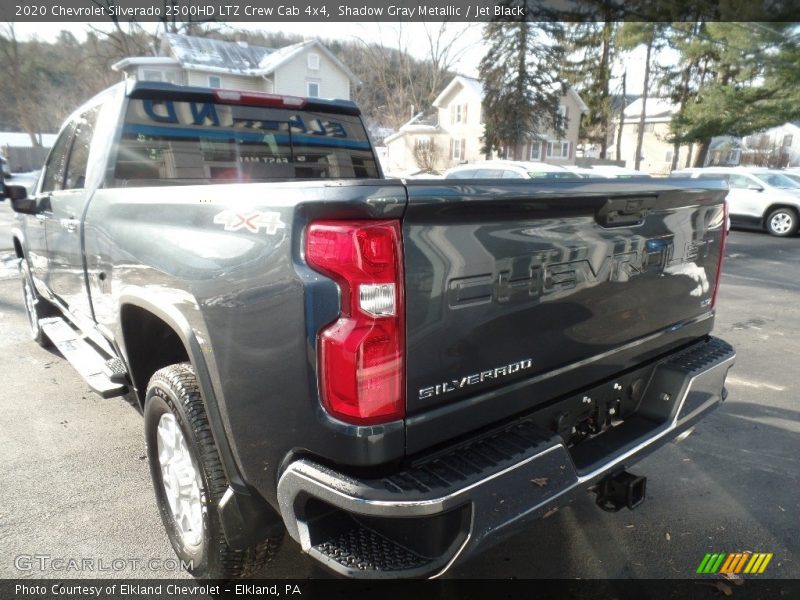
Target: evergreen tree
x=651, y=35
x=747, y=81
x=688, y=40
x=522, y=88
x=590, y=53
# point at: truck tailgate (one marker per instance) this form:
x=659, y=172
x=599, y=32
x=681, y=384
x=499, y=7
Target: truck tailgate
x=518, y=293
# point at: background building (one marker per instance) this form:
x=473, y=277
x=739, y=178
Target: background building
x=304, y=69
x=451, y=132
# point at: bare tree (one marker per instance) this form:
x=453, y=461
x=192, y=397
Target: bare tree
x=15, y=73
x=401, y=84
x=427, y=154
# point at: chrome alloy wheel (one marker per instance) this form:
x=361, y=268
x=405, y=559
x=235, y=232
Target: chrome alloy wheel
x=181, y=480
x=781, y=222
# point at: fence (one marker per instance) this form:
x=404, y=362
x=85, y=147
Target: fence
x=22, y=160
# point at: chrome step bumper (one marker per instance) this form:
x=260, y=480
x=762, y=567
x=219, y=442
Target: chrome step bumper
x=483, y=490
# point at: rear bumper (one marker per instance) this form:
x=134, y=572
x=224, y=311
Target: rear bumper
x=419, y=521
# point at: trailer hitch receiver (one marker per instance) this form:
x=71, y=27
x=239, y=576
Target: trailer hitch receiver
x=621, y=490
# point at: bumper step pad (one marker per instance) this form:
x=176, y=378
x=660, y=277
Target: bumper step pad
x=364, y=550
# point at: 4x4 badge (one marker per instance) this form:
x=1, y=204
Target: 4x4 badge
x=254, y=221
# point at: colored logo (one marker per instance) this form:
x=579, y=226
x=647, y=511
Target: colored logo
x=752, y=563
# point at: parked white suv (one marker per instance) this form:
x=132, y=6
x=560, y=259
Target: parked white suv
x=758, y=197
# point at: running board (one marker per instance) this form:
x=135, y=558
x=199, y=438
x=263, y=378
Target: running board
x=88, y=362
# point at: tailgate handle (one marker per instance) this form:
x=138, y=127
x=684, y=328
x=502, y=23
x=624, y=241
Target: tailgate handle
x=621, y=212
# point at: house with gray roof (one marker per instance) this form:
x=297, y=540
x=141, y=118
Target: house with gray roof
x=304, y=69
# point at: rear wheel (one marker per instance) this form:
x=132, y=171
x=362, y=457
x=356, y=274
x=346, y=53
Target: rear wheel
x=782, y=222
x=36, y=307
x=189, y=480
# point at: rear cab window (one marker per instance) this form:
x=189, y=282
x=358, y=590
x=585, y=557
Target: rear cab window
x=167, y=141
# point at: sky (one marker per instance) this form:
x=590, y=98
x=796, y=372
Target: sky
x=468, y=45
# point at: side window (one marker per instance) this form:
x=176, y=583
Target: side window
x=461, y=174
x=79, y=155
x=57, y=161
x=739, y=181
x=511, y=175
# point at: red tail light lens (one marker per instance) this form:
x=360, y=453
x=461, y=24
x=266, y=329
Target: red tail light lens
x=723, y=239
x=361, y=355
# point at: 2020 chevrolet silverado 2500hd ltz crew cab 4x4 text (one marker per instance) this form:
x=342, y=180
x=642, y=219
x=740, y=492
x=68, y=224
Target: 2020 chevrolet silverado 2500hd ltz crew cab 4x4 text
x=379, y=368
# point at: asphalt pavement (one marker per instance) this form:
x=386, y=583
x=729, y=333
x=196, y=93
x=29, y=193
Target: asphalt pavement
x=75, y=482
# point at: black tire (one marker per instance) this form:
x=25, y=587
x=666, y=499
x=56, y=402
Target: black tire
x=173, y=390
x=36, y=307
x=783, y=222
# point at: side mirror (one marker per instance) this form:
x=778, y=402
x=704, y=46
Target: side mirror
x=20, y=202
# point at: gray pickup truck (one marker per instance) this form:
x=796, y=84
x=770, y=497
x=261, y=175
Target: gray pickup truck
x=396, y=373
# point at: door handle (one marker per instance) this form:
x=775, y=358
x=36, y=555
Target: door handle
x=70, y=225
x=622, y=212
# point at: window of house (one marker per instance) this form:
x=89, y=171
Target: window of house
x=535, y=151
x=563, y=111
x=458, y=113
x=214, y=81
x=313, y=61
x=423, y=142
x=313, y=89
x=457, y=148
x=558, y=149
x=668, y=157
x=649, y=127
x=152, y=75
x=787, y=140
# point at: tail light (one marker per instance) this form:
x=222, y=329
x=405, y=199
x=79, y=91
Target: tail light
x=361, y=355
x=721, y=259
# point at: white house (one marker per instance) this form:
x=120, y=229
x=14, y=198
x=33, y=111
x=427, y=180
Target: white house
x=451, y=133
x=776, y=147
x=304, y=69
x=657, y=151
